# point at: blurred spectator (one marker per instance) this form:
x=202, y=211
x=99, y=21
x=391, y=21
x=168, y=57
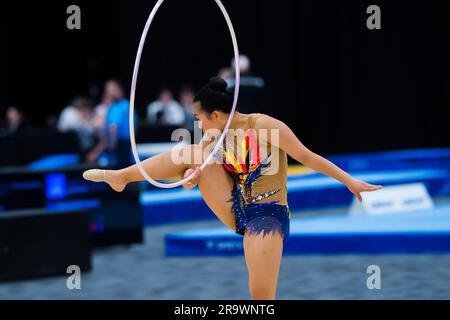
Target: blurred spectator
x=115, y=136
x=187, y=101
x=100, y=112
x=78, y=117
x=165, y=110
x=15, y=121
x=226, y=74
x=252, y=90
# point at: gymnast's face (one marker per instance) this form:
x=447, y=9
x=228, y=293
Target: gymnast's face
x=213, y=120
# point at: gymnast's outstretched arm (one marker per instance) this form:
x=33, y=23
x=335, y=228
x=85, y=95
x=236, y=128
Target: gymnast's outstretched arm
x=288, y=142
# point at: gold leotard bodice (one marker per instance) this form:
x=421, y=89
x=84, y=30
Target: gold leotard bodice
x=258, y=168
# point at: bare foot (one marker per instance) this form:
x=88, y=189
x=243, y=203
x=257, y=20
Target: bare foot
x=108, y=176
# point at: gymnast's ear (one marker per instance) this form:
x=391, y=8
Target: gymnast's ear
x=215, y=115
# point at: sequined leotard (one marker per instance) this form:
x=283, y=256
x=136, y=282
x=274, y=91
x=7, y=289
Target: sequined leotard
x=259, y=172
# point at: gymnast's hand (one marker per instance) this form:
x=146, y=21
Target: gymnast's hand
x=194, y=181
x=356, y=186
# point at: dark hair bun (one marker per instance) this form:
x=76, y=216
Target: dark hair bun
x=218, y=84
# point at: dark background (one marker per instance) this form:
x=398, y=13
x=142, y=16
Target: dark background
x=341, y=87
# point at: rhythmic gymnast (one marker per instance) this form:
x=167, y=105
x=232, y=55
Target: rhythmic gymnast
x=246, y=187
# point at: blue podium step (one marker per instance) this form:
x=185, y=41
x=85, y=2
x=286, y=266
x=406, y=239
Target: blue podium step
x=393, y=159
x=314, y=191
x=425, y=231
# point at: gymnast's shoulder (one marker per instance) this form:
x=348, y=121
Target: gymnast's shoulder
x=264, y=121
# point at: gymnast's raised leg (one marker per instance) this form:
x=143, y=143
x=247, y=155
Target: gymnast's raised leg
x=214, y=184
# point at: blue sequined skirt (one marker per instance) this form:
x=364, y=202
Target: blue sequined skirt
x=263, y=217
x=268, y=217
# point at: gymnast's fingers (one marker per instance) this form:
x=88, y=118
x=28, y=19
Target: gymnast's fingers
x=196, y=175
x=370, y=187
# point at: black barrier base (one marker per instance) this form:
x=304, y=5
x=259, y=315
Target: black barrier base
x=37, y=243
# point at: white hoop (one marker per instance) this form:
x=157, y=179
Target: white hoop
x=133, y=93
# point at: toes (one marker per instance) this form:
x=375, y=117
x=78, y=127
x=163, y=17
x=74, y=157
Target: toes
x=94, y=175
